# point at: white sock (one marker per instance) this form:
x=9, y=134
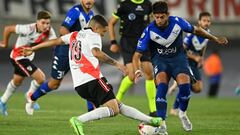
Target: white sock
x=99, y=113
x=33, y=87
x=134, y=113
x=11, y=88
x=181, y=113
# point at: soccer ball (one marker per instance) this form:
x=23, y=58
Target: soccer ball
x=147, y=129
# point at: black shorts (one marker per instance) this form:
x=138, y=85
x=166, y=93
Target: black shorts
x=23, y=67
x=97, y=91
x=128, y=46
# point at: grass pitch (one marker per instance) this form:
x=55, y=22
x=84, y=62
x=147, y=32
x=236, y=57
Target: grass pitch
x=219, y=116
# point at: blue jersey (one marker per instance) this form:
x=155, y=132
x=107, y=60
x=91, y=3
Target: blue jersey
x=165, y=42
x=75, y=20
x=195, y=44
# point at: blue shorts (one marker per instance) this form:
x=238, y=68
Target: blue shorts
x=60, y=65
x=172, y=66
x=195, y=70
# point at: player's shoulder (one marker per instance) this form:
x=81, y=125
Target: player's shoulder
x=175, y=18
x=76, y=8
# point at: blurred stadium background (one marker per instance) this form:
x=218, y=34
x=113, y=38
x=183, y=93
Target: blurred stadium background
x=225, y=21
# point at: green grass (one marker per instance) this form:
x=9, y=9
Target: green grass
x=209, y=117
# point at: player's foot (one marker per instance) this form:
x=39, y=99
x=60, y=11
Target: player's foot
x=77, y=125
x=237, y=90
x=28, y=95
x=29, y=107
x=162, y=130
x=153, y=114
x=187, y=125
x=173, y=112
x=3, y=107
x=157, y=121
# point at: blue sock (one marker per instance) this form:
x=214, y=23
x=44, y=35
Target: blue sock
x=42, y=90
x=161, y=101
x=176, y=103
x=184, y=96
x=90, y=106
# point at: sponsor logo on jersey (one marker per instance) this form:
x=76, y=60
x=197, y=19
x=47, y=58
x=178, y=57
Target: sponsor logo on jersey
x=167, y=51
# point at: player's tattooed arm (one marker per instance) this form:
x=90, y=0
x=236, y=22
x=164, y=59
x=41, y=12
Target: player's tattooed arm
x=103, y=57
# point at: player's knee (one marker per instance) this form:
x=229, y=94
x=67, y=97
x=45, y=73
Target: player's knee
x=115, y=110
x=54, y=84
x=17, y=82
x=131, y=76
x=197, y=88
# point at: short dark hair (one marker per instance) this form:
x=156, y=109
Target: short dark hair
x=100, y=20
x=160, y=7
x=203, y=14
x=43, y=15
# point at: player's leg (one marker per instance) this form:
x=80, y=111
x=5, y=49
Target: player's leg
x=126, y=82
x=128, y=47
x=20, y=72
x=183, y=97
x=172, y=88
x=15, y=82
x=60, y=67
x=150, y=87
x=197, y=86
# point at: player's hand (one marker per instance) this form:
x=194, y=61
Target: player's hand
x=122, y=68
x=138, y=75
x=114, y=48
x=222, y=40
x=26, y=51
x=2, y=45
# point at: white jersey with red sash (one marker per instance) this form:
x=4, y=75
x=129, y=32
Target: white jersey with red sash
x=28, y=36
x=84, y=66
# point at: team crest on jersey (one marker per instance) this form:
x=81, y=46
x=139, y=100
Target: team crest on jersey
x=131, y=16
x=139, y=8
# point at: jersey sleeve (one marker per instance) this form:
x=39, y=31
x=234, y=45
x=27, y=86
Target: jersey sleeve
x=23, y=29
x=72, y=16
x=117, y=14
x=188, y=39
x=142, y=45
x=52, y=34
x=185, y=25
x=95, y=41
x=66, y=38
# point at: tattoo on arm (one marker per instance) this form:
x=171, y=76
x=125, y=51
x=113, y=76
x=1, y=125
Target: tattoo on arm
x=103, y=57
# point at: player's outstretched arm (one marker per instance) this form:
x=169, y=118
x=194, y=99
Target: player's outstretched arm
x=137, y=66
x=103, y=57
x=112, y=22
x=29, y=50
x=201, y=32
x=8, y=30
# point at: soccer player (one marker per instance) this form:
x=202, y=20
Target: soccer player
x=195, y=47
x=163, y=37
x=29, y=35
x=134, y=17
x=213, y=68
x=77, y=17
x=84, y=56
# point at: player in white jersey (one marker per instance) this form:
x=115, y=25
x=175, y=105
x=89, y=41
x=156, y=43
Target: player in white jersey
x=29, y=35
x=84, y=56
